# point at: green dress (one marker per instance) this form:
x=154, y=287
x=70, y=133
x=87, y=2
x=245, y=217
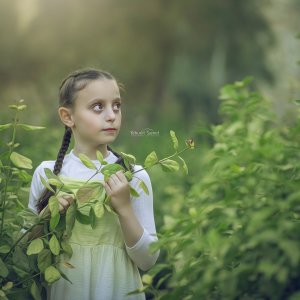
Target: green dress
x=102, y=267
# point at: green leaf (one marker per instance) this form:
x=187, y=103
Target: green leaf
x=20, y=259
x=5, y=126
x=52, y=274
x=35, y=247
x=53, y=206
x=297, y=102
x=169, y=165
x=70, y=219
x=130, y=158
x=98, y=209
x=100, y=157
x=44, y=259
x=54, y=245
x=30, y=127
x=174, y=139
x=54, y=221
x=144, y=187
x=46, y=184
x=92, y=218
x=128, y=175
x=21, y=107
x=3, y=269
x=133, y=192
x=4, y=249
x=35, y=291
x=151, y=159
x=89, y=192
x=53, y=179
x=8, y=286
x=184, y=166
x=111, y=169
x=82, y=218
x=67, y=248
x=86, y=161
x=147, y=279
x=20, y=161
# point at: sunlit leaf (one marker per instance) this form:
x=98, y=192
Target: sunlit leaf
x=111, y=169
x=20, y=161
x=52, y=274
x=144, y=187
x=99, y=209
x=86, y=161
x=5, y=126
x=151, y=159
x=184, y=166
x=54, y=245
x=36, y=246
x=67, y=248
x=30, y=127
x=169, y=165
x=174, y=139
x=46, y=184
x=133, y=192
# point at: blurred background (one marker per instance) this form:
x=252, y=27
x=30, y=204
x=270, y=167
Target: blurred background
x=171, y=56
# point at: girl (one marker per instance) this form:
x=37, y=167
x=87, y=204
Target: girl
x=106, y=258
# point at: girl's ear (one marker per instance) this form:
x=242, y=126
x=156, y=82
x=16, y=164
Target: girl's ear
x=65, y=115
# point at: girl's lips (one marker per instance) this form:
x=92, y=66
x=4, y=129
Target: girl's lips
x=110, y=129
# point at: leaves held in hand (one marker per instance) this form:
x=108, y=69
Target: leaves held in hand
x=54, y=245
x=46, y=184
x=151, y=159
x=144, y=187
x=169, y=165
x=52, y=274
x=90, y=191
x=35, y=247
x=86, y=161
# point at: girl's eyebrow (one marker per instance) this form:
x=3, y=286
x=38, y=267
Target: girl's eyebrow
x=103, y=100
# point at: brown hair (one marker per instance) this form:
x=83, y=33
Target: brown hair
x=73, y=83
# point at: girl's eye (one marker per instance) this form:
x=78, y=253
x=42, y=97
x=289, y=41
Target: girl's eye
x=97, y=107
x=117, y=106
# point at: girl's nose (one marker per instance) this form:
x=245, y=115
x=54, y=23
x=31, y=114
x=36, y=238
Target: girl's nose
x=110, y=114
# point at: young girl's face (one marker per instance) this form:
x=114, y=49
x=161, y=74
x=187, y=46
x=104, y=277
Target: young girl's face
x=97, y=107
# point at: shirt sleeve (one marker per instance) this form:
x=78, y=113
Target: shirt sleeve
x=143, y=209
x=36, y=188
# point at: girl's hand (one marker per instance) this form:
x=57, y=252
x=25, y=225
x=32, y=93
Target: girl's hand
x=64, y=202
x=118, y=188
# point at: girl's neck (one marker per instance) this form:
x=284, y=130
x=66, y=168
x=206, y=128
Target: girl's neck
x=91, y=153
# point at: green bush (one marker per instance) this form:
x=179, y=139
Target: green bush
x=31, y=262
x=237, y=235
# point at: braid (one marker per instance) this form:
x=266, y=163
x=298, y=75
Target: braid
x=43, y=200
x=120, y=160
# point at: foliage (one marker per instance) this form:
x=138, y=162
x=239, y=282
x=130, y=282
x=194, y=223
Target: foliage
x=27, y=266
x=237, y=234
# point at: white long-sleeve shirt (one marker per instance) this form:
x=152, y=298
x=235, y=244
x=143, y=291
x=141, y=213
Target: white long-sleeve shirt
x=142, y=205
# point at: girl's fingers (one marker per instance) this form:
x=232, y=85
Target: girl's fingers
x=64, y=202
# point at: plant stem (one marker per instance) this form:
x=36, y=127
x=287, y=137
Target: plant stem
x=19, y=239
x=9, y=172
x=176, y=153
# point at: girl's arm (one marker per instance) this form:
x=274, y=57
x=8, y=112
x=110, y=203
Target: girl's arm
x=136, y=217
